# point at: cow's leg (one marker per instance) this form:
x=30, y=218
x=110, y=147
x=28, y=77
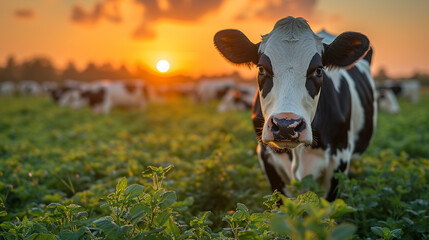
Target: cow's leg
x=276, y=167
x=332, y=190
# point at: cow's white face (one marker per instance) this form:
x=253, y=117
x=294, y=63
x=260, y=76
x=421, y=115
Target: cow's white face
x=290, y=75
x=290, y=63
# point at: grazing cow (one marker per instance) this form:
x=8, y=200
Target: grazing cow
x=409, y=89
x=316, y=107
x=7, y=88
x=238, y=98
x=103, y=96
x=29, y=87
x=387, y=101
x=209, y=90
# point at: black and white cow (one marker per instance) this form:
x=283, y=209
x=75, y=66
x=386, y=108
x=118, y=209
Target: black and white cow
x=387, y=101
x=238, y=98
x=408, y=89
x=316, y=108
x=213, y=89
x=102, y=96
x=7, y=88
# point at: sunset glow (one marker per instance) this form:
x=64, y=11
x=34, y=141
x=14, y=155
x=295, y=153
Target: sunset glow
x=133, y=32
x=163, y=66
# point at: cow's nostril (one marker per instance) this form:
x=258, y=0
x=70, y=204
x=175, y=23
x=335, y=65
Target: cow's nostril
x=274, y=128
x=300, y=127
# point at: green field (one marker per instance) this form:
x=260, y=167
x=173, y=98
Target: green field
x=60, y=169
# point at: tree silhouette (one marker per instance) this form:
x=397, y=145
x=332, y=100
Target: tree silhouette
x=70, y=72
x=39, y=69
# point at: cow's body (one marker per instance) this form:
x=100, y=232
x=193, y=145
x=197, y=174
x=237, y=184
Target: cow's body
x=101, y=97
x=238, y=98
x=387, y=101
x=409, y=89
x=343, y=126
x=29, y=87
x=7, y=88
x=316, y=106
x=209, y=90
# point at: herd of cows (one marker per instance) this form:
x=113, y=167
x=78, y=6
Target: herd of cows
x=314, y=105
x=102, y=96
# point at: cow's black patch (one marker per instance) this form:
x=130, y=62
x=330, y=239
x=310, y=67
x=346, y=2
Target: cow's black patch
x=130, y=87
x=332, y=120
x=366, y=97
x=314, y=76
x=145, y=92
x=275, y=180
x=333, y=189
x=265, y=80
x=221, y=92
x=94, y=97
x=257, y=117
x=396, y=88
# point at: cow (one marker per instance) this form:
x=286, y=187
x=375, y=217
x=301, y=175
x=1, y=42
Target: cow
x=387, y=101
x=315, y=109
x=102, y=96
x=238, y=98
x=409, y=89
x=7, y=88
x=213, y=89
x=29, y=87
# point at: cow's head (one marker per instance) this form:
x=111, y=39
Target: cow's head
x=291, y=61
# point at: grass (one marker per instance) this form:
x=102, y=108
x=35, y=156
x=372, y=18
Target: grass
x=52, y=155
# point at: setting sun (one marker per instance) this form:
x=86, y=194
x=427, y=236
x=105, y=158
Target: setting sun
x=163, y=66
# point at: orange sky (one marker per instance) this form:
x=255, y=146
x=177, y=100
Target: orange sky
x=181, y=31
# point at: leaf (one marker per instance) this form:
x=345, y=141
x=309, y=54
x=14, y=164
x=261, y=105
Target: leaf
x=109, y=227
x=133, y=191
x=377, y=231
x=171, y=228
x=396, y=232
x=343, y=231
x=138, y=212
x=242, y=207
x=69, y=235
x=247, y=235
x=258, y=217
x=309, y=198
x=161, y=218
x=122, y=184
x=239, y=216
x=167, y=199
x=41, y=236
x=3, y=213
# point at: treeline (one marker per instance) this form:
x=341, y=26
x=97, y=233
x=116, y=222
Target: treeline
x=41, y=69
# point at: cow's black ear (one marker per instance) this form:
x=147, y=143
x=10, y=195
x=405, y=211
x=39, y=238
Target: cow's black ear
x=345, y=50
x=236, y=47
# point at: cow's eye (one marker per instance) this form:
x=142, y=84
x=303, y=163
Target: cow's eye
x=319, y=72
x=261, y=70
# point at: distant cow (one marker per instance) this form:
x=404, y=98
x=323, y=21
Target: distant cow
x=7, y=88
x=29, y=87
x=316, y=107
x=238, y=98
x=409, y=89
x=102, y=97
x=209, y=90
x=387, y=101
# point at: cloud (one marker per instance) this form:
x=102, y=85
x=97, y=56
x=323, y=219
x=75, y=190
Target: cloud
x=277, y=9
x=25, y=13
x=109, y=10
x=182, y=10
